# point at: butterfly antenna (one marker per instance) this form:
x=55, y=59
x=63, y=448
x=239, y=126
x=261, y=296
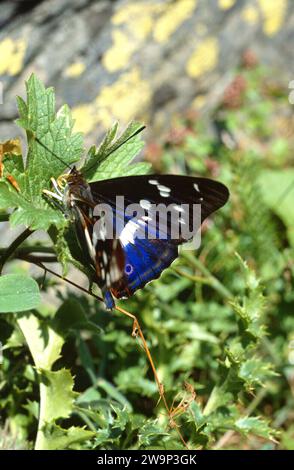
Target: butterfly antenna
x=115, y=147
x=53, y=153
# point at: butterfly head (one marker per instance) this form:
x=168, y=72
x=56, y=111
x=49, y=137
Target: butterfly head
x=66, y=186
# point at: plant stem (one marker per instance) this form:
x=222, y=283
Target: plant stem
x=213, y=281
x=9, y=251
x=39, y=444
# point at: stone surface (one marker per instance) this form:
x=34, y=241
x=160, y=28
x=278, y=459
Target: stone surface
x=120, y=60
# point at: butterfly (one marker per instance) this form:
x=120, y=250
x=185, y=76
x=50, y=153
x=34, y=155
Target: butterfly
x=126, y=251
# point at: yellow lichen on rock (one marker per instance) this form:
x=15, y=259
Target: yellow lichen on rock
x=127, y=98
x=75, y=70
x=273, y=12
x=199, y=102
x=134, y=10
x=118, y=56
x=123, y=100
x=204, y=58
x=12, y=54
x=226, y=4
x=84, y=116
x=172, y=18
x=250, y=14
x=133, y=23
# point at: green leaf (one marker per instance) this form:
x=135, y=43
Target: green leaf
x=132, y=379
x=150, y=433
x=280, y=200
x=57, y=438
x=113, y=158
x=251, y=307
x=18, y=293
x=255, y=371
x=59, y=148
x=57, y=394
x=44, y=343
x=254, y=425
x=71, y=316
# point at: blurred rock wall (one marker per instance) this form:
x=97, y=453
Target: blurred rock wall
x=120, y=60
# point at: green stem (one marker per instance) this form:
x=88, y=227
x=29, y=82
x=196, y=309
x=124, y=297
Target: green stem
x=213, y=281
x=191, y=277
x=40, y=444
x=9, y=251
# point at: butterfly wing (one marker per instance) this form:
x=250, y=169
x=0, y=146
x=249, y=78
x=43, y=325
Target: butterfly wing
x=145, y=258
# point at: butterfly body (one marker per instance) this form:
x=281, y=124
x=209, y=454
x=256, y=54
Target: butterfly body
x=128, y=251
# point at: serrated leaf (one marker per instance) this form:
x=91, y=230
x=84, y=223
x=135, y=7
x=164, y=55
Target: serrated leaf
x=254, y=425
x=57, y=394
x=218, y=397
x=44, y=343
x=149, y=433
x=59, y=148
x=255, y=371
x=57, y=438
x=113, y=158
x=18, y=293
x=250, y=308
x=281, y=199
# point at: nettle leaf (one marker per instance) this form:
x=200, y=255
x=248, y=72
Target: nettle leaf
x=38, y=118
x=113, y=157
x=58, y=394
x=57, y=438
x=18, y=293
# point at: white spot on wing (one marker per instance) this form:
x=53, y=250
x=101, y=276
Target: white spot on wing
x=178, y=209
x=153, y=182
x=145, y=204
x=128, y=232
x=163, y=188
x=196, y=187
